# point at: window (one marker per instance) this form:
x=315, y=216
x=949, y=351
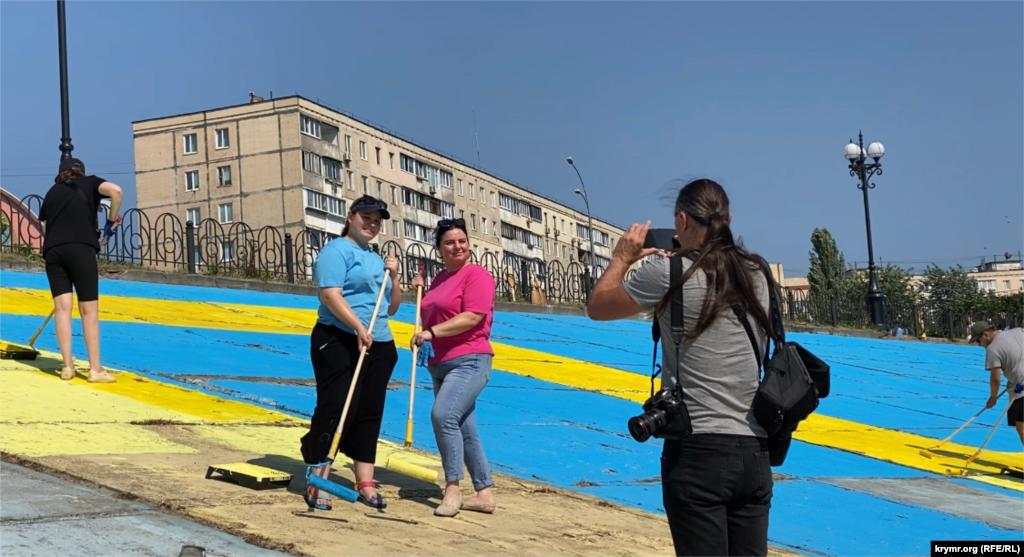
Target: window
x=394, y=228
x=227, y=250
x=380, y=190
x=460, y=187
x=223, y=140
x=332, y=169
x=192, y=215
x=432, y=174
x=472, y=190
x=484, y=223
x=462, y=214
x=378, y=155
x=472, y=219
x=582, y=232
x=326, y=203
x=565, y=254
x=311, y=163
x=226, y=212
x=431, y=205
x=224, y=175
x=483, y=198
x=601, y=261
x=191, y=147
x=1006, y=285
x=600, y=238
x=394, y=195
x=535, y=213
x=309, y=126
x=520, y=235
x=1022, y=285
x=391, y=160
x=362, y=150
x=351, y=183
x=192, y=180
x=494, y=200
x=348, y=144
x=366, y=186
x=507, y=202
x=416, y=231
x=547, y=247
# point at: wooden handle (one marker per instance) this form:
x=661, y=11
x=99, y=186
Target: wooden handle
x=412, y=379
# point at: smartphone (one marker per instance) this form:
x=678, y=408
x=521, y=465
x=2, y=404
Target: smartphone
x=661, y=238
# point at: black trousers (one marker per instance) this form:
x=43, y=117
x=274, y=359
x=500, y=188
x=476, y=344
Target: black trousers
x=75, y=265
x=334, y=354
x=717, y=491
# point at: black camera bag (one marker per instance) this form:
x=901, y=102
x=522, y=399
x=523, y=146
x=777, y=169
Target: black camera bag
x=794, y=380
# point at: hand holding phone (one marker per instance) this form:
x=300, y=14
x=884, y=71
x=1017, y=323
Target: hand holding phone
x=661, y=238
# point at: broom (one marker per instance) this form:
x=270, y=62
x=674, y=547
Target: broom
x=324, y=484
x=927, y=453
x=982, y=447
x=10, y=351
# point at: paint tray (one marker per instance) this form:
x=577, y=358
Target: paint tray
x=10, y=351
x=251, y=475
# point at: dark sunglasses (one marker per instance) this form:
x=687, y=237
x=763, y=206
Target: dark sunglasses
x=448, y=223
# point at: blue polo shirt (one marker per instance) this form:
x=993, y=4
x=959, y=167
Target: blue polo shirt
x=358, y=271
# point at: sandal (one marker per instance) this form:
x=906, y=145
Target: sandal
x=376, y=501
x=67, y=374
x=103, y=377
x=313, y=495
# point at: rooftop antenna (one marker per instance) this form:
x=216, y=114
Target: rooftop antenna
x=477, y=138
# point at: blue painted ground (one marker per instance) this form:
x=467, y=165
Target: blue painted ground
x=574, y=436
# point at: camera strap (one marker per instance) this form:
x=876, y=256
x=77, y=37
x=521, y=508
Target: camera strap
x=677, y=327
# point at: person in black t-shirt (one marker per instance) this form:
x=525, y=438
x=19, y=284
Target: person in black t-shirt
x=70, y=245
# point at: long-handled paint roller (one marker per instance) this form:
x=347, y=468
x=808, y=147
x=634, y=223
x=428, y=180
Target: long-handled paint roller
x=10, y=351
x=963, y=472
x=324, y=484
x=927, y=453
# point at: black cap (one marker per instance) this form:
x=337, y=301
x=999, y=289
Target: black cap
x=72, y=164
x=369, y=204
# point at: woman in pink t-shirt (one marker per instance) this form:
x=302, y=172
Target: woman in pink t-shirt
x=457, y=313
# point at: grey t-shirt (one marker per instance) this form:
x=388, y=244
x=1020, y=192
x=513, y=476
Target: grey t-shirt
x=718, y=369
x=1006, y=352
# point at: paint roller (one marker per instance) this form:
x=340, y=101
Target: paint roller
x=927, y=453
x=982, y=447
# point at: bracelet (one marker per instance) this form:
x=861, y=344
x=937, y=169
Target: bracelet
x=431, y=331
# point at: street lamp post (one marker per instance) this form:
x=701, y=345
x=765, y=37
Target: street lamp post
x=65, y=140
x=590, y=229
x=860, y=168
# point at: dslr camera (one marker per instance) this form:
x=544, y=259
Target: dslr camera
x=665, y=417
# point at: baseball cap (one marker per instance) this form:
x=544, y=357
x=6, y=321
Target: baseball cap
x=978, y=328
x=72, y=164
x=368, y=204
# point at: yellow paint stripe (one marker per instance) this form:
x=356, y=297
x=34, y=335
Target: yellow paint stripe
x=879, y=443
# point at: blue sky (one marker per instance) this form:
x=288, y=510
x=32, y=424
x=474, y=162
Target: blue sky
x=759, y=96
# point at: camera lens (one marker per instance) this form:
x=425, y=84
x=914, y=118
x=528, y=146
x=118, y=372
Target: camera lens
x=643, y=426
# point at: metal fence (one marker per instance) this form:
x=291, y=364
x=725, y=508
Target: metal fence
x=210, y=248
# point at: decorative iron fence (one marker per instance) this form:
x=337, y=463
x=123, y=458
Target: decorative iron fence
x=211, y=248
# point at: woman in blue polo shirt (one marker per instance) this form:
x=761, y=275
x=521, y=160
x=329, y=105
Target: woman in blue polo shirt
x=349, y=274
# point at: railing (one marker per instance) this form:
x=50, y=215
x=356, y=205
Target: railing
x=236, y=249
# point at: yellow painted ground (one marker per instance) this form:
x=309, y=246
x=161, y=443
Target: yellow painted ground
x=879, y=443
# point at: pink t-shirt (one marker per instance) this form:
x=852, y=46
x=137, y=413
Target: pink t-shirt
x=470, y=289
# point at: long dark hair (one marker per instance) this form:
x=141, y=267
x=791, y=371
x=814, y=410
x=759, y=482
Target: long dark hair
x=727, y=266
x=66, y=175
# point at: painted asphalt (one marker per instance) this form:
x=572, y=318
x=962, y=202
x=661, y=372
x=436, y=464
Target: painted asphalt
x=548, y=417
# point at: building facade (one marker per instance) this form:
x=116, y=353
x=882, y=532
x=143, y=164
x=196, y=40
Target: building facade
x=296, y=165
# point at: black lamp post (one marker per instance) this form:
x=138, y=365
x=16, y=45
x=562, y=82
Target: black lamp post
x=65, y=139
x=590, y=227
x=860, y=168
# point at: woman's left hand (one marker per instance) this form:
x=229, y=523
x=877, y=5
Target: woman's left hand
x=419, y=338
x=391, y=264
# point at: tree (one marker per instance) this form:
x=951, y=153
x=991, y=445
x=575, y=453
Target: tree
x=894, y=282
x=950, y=290
x=827, y=276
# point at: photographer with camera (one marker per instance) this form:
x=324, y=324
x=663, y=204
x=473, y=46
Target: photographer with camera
x=716, y=476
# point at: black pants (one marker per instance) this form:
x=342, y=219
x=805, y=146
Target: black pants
x=334, y=354
x=717, y=491
x=70, y=265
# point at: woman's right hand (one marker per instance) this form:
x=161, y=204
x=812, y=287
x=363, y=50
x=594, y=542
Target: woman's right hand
x=417, y=281
x=365, y=338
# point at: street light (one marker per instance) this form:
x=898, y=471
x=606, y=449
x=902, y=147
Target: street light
x=65, y=140
x=860, y=168
x=590, y=229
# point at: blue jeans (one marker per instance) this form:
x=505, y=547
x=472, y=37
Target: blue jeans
x=457, y=383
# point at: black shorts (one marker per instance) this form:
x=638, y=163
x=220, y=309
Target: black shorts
x=70, y=265
x=1016, y=413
